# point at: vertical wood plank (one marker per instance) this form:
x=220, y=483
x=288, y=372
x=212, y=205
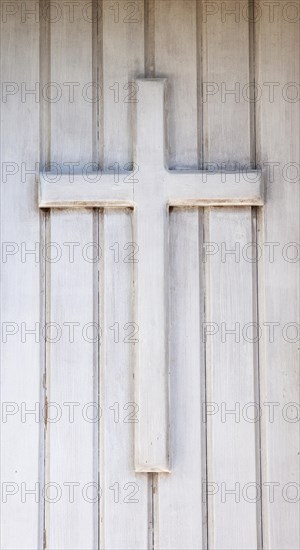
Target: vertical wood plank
x=70, y=467
x=231, y=380
x=21, y=521
x=278, y=130
x=232, y=522
x=72, y=446
x=125, y=494
x=179, y=501
x=178, y=509
x=149, y=38
x=71, y=93
x=226, y=72
x=175, y=58
x=123, y=62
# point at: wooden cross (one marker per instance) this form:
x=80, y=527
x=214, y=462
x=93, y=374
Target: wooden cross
x=154, y=190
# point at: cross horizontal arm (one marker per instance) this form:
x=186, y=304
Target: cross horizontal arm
x=200, y=188
x=94, y=190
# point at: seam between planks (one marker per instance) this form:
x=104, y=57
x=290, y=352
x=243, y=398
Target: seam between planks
x=209, y=510
x=203, y=378
x=97, y=158
x=97, y=72
x=252, y=80
x=149, y=69
x=102, y=351
x=255, y=215
x=199, y=58
x=203, y=274
x=149, y=37
x=256, y=366
x=45, y=145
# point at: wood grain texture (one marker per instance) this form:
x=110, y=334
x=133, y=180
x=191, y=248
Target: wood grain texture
x=209, y=51
x=278, y=133
x=231, y=378
x=71, y=105
x=122, y=525
x=201, y=188
x=182, y=188
x=153, y=190
x=176, y=58
x=226, y=71
x=123, y=61
x=21, y=514
x=70, y=380
x=124, y=498
x=78, y=191
x=179, y=500
x=151, y=283
x=227, y=142
x=72, y=447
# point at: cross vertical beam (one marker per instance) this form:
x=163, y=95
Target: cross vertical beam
x=151, y=282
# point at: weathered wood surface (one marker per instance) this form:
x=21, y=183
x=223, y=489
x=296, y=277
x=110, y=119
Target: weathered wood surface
x=152, y=446
x=22, y=296
x=278, y=149
x=71, y=450
x=183, y=188
x=152, y=190
x=179, y=513
x=124, y=524
x=124, y=493
x=190, y=43
x=231, y=362
x=71, y=294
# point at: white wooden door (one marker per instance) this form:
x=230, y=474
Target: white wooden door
x=224, y=396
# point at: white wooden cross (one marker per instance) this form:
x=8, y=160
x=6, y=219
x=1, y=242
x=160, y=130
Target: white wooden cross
x=151, y=196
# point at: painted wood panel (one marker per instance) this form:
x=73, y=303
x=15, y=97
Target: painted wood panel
x=226, y=73
x=176, y=510
x=152, y=448
x=175, y=49
x=231, y=366
x=181, y=521
x=72, y=361
x=71, y=93
x=231, y=363
x=71, y=453
x=124, y=498
x=21, y=289
x=209, y=51
x=182, y=187
x=123, y=61
x=277, y=54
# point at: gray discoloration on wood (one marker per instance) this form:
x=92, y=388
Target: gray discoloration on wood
x=278, y=132
x=193, y=44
